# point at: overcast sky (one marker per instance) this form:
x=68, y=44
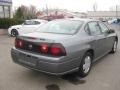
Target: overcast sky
x=74, y=5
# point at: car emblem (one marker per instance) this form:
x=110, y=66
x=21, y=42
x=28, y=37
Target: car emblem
x=30, y=46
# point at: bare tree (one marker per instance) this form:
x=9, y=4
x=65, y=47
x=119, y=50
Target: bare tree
x=26, y=12
x=32, y=11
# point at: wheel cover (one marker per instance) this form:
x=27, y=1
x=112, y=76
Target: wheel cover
x=87, y=64
x=13, y=33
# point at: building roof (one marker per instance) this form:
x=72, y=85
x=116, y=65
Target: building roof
x=103, y=13
x=6, y=1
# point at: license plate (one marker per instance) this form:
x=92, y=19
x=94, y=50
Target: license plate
x=29, y=60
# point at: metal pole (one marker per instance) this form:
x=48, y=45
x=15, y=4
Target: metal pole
x=46, y=8
x=116, y=11
x=117, y=26
x=3, y=10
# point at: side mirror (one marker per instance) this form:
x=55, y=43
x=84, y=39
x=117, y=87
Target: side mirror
x=111, y=31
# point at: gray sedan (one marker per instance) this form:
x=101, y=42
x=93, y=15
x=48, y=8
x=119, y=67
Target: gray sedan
x=65, y=46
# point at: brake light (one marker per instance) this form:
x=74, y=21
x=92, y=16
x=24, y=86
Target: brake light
x=19, y=43
x=57, y=50
x=52, y=49
x=44, y=48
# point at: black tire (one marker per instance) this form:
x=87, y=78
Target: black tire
x=81, y=71
x=14, y=33
x=114, y=48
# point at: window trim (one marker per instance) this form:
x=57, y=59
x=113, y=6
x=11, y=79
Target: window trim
x=88, y=31
x=89, y=28
x=101, y=28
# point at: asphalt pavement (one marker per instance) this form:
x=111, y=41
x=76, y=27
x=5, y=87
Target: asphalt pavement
x=105, y=73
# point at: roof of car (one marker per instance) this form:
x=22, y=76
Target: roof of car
x=81, y=19
x=85, y=19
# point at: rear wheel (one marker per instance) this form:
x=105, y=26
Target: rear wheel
x=14, y=32
x=114, y=48
x=85, y=65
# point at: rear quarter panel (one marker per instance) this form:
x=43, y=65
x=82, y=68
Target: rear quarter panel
x=77, y=45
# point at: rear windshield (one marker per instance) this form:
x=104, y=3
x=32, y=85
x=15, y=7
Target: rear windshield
x=61, y=27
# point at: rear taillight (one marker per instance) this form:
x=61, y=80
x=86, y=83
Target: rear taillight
x=57, y=50
x=44, y=48
x=52, y=49
x=19, y=43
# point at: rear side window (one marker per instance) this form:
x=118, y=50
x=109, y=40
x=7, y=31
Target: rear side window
x=94, y=28
x=36, y=22
x=103, y=27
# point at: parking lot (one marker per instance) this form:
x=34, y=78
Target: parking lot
x=105, y=73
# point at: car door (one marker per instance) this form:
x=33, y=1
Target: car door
x=98, y=39
x=29, y=26
x=36, y=25
x=109, y=36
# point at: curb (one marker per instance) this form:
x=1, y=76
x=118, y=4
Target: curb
x=3, y=31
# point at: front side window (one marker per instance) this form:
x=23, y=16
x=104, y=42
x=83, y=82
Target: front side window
x=61, y=26
x=94, y=28
x=103, y=27
x=29, y=23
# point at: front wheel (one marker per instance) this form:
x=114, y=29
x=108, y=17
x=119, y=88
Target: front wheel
x=14, y=33
x=114, y=48
x=85, y=65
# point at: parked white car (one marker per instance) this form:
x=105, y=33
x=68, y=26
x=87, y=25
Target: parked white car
x=27, y=27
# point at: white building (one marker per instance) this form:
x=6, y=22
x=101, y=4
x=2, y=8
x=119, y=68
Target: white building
x=103, y=15
x=5, y=8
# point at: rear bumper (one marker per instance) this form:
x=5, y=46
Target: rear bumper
x=44, y=64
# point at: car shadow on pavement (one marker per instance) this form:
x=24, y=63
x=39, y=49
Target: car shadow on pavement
x=56, y=80
x=74, y=79
x=71, y=78
x=52, y=87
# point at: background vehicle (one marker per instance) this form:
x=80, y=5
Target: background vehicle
x=65, y=46
x=27, y=27
x=114, y=21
